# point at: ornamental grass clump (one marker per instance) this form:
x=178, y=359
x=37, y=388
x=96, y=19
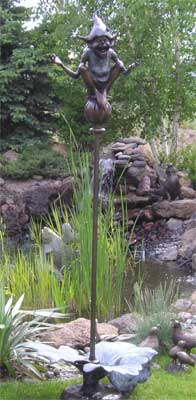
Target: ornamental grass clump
x=154, y=308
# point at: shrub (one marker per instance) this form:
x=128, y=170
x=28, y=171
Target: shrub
x=36, y=160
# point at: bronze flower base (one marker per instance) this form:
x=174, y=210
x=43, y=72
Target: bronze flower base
x=104, y=391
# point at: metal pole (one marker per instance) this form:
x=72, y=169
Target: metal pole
x=97, y=133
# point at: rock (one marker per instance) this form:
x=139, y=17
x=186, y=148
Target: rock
x=133, y=139
x=59, y=148
x=132, y=200
x=117, y=147
x=2, y=181
x=148, y=214
x=183, y=316
x=137, y=156
x=191, y=223
x=134, y=213
x=38, y=177
x=127, y=323
x=11, y=155
x=122, y=164
x=124, y=157
x=193, y=297
x=174, y=224
x=170, y=254
x=148, y=226
x=76, y=334
x=146, y=150
x=193, y=309
x=14, y=216
x=37, y=199
x=49, y=374
x=21, y=199
x=182, y=305
x=188, y=242
x=139, y=164
x=187, y=192
x=194, y=262
x=182, y=209
x=144, y=186
x=133, y=175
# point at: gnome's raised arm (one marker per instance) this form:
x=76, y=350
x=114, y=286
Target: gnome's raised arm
x=56, y=60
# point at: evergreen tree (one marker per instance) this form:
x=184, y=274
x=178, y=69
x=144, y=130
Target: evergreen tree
x=27, y=100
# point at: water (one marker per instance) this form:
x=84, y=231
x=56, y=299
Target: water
x=106, y=180
x=157, y=272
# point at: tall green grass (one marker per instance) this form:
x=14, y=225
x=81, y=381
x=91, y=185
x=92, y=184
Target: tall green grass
x=32, y=274
x=111, y=252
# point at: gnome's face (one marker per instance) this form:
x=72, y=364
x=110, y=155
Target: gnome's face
x=101, y=45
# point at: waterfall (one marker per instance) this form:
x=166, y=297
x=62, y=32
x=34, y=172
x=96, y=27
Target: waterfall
x=106, y=167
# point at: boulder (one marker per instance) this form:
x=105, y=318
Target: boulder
x=182, y=209
x=187, y=192
x=133, y=139
x=146, y=150
x=188, y=243
x=132, y=200
x=182, y=305
x=193, y=297
x=76, y=333
x=174, y=224
x=170, y=254
x=19, y=200
x=127, y=323
x=13, y=213
x=194, y=262
x=133, y=175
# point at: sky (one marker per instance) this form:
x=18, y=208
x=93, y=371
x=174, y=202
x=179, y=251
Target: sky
x=29, y=3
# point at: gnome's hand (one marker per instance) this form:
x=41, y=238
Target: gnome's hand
x=56, y=60
x=131, y=67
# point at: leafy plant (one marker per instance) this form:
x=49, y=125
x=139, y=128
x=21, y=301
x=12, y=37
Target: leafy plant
x=16, y=326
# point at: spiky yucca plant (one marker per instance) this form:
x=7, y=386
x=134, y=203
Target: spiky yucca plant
x=16, y=327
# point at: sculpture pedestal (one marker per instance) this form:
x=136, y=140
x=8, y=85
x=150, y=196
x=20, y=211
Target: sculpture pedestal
x=105, y=391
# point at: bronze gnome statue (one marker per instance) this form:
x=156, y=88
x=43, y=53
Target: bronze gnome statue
x=99, y=68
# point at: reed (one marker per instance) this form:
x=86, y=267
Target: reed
x=32, y=274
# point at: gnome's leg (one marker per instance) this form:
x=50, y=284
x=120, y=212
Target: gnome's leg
x=115, y=72
x=91, y=86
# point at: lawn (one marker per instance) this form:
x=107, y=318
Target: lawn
x=160, y=386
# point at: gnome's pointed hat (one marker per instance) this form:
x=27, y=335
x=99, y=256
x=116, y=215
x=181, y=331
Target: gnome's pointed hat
x=98, y=29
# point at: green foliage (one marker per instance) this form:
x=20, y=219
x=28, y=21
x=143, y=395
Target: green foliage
x=16, y=326
x=164, y=44
x=29, y=272
x=154, y=307
x=186, y=161
x=36, y=159
x=112, y=252
x=27, y=101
